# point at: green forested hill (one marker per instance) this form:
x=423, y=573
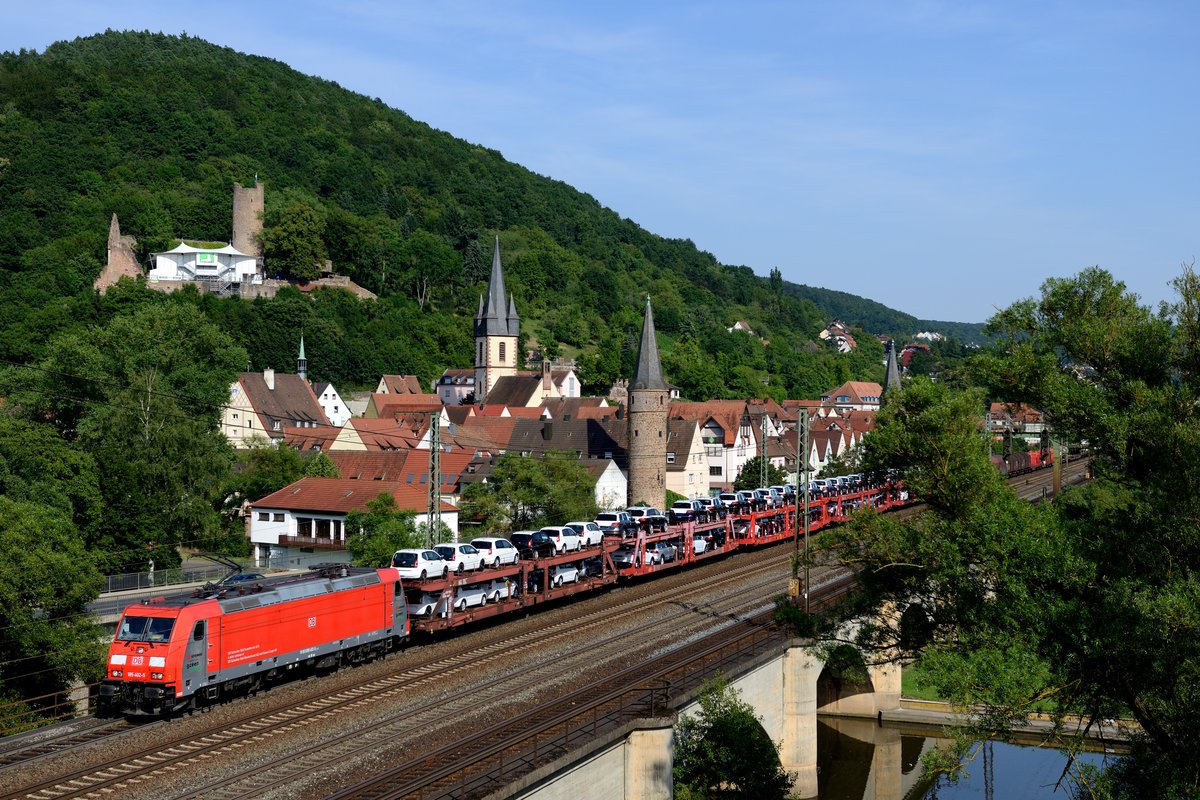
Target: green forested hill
x=158, y=128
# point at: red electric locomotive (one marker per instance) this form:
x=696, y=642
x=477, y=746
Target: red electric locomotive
x=172, y=654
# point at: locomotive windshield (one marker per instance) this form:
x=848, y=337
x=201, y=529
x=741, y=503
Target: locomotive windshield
x=145, y=629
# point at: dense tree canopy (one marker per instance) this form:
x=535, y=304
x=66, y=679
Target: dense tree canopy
x=97, y=126
x=1090, y=604
x=47, y=577
x=527, y=492
x=142, y=396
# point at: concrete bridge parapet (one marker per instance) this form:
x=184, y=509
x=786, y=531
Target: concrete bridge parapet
x=787, y=690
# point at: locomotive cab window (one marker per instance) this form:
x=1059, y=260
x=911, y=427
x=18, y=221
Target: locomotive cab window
x=198, y=631
x=145, y=629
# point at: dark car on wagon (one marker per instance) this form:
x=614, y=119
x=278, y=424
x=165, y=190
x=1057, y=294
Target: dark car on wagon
x=533, y=544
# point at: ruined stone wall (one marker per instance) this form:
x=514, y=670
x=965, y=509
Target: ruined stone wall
x=121, y=260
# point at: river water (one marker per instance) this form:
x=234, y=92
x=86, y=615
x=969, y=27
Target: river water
x=859, y=760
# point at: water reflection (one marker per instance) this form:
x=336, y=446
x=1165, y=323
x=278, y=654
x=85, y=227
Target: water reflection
x=860, y=760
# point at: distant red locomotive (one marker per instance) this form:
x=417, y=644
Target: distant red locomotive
x=171, y=655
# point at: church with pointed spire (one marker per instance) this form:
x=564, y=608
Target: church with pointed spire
x=649, y=404
x=496, y=329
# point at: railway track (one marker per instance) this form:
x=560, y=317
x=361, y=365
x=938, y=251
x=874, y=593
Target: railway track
x=176, y=753
x=488, y=759
x=255, y=728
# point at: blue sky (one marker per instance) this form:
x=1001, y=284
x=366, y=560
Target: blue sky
x=944, y=158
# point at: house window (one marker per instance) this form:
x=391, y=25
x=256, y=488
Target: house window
x=263, y=516
x=278, y=516
x=502, y=352
x=277, y=425
x=608, y=454
x=670, y=458
x=714, y=472
x=235, y=416
x=304, y=527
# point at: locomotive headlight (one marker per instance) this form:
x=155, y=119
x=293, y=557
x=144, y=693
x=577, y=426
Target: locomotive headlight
x=116, y=673
x=156, y=676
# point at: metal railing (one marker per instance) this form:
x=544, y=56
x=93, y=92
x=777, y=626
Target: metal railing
x=154, y=579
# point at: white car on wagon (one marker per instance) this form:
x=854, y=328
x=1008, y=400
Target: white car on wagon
x=496, y=551
x=565, y=539
x=461, y=557
x=420, y=564
x=589, y=533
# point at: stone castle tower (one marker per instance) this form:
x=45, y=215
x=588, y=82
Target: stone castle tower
x=248, y=218
x=122, y=261
x=496, y=330
x=649, y=402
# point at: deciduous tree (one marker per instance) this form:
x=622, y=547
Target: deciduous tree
x=529, y=492
x=372, y=536
x=750, y=476
x=723, y=752
x=1089, y=604
x=47, y=577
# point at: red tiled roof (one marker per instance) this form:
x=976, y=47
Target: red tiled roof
x=402, y=384
x=726, y=413
x=490, y=434
x=384, y=434
x=291, y=401
x=856, y=391
x=342, y=495
x=318, y=438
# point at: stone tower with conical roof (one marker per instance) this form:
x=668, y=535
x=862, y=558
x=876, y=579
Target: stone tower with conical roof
x=496, y=328
x=891, y=383
x=649, y=402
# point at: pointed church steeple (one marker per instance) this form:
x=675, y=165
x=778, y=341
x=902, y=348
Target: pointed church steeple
x=891, y=382
x=648, y=374
x=302, y=362
x=497, y=327
x=494, y=318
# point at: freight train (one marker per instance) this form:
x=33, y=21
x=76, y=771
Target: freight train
x=1024, y=461
x=174, y=654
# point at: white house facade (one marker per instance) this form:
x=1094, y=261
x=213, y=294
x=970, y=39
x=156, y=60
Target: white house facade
x=305, y=523
x=332, y=404
x=223, y=265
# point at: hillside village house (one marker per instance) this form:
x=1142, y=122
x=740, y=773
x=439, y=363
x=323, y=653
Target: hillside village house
x=263, y=404
x=730, y=431
x=860, y=395
x=455, y=386
x=687, y=462
x=305, y=522
x=336, y=410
